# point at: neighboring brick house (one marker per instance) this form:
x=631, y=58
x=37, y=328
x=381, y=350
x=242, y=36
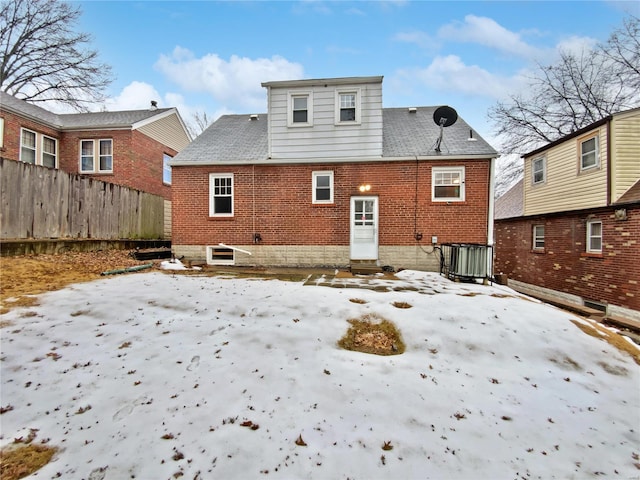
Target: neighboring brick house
x=130, y=148
x=328, y=178
x=571, y=227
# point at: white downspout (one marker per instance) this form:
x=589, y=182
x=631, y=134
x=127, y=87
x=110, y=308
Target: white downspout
x=490, y=239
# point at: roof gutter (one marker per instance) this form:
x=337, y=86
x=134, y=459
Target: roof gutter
x=311, y=161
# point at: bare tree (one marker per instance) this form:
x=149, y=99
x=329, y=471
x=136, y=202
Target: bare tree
x=575, y=91
x=623, y=49
x=200, y=122
x=43, y=59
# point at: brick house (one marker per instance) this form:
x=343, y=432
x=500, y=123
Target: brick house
x=130, y=148
x=328, y=178
x=571, y=227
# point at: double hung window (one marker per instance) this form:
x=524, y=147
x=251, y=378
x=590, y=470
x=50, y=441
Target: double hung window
x=447, y=184
x=221, y=195
x=323, y=187
x=49, y=152
x=347, y=107
x=38, y=149
x=28, y=146
x=589, y=157
x=594, y=236
x=300, y=109
x=538, y=171
x=538, y=237
x=96, y=156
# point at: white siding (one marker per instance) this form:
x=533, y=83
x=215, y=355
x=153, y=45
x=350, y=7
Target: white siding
x=168, y=131
x=625, y=152
x=325, y=139
x=566, y=187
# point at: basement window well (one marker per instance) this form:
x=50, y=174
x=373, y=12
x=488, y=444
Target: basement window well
x=220, y=256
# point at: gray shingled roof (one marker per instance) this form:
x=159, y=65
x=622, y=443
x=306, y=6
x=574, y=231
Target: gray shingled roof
x=511, y=204
x=11, y=103
x=125, y=118
x=406, y=134
x=230, y=138
x=631, y=195
x=235, y=138
x=93, y=120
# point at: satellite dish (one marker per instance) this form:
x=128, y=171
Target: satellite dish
x=444, y=116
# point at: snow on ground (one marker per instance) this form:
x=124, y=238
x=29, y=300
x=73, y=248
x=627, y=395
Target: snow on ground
x=151, y=376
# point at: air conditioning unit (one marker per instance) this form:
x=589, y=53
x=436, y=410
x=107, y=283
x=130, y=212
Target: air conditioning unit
x=466, y=261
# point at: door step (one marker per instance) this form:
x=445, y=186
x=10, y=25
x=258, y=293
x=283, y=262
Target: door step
x=364, y=267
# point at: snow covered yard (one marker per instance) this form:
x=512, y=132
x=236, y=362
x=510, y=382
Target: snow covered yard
x=160, y=376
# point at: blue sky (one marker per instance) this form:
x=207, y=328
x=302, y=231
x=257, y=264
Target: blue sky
x=211, y=57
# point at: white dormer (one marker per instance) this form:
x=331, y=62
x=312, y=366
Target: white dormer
x=325, y=118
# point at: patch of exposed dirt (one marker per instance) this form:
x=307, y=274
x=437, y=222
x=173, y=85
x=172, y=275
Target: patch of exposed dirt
x=600, y=332
x=23, y=276
x=372, y=334
x=19, y=461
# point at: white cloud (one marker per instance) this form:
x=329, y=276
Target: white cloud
x=135, y=96
x=576, y=45
x=486, y=31
x=235, y=82
x=451, y=74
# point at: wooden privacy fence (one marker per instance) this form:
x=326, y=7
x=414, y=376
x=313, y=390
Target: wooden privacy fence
x=42, y=203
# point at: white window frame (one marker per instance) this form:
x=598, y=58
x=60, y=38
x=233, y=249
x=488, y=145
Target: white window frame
x=297, y=94
x=583, y=154
x=212, y=196
x=315, y=176
x=350, y=91
x=54, y=154
x=591, y=236
x=23, y=146
x=543, y=171
x=96, y=155
x=538, y=237
x=437, y=172
x=166, y=168
x=1, y=132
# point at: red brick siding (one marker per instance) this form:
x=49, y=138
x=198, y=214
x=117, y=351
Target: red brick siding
x=137, y=159
x=12, y=126
x=285, y=215
x=613, y=277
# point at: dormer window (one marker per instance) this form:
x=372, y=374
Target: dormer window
x=538, y=170
x=300, y=112
x=589, y=157
x=348, y=107
x=300, y=109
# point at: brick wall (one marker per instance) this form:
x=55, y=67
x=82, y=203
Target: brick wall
x=276, y=201
x=12, y=126
x=137, y=159
x=612, y=277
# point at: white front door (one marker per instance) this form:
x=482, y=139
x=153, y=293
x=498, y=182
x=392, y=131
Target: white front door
x=364, y=228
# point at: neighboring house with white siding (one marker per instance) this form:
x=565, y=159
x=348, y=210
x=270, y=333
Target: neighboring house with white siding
x=329, y=177
x=577, y=230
